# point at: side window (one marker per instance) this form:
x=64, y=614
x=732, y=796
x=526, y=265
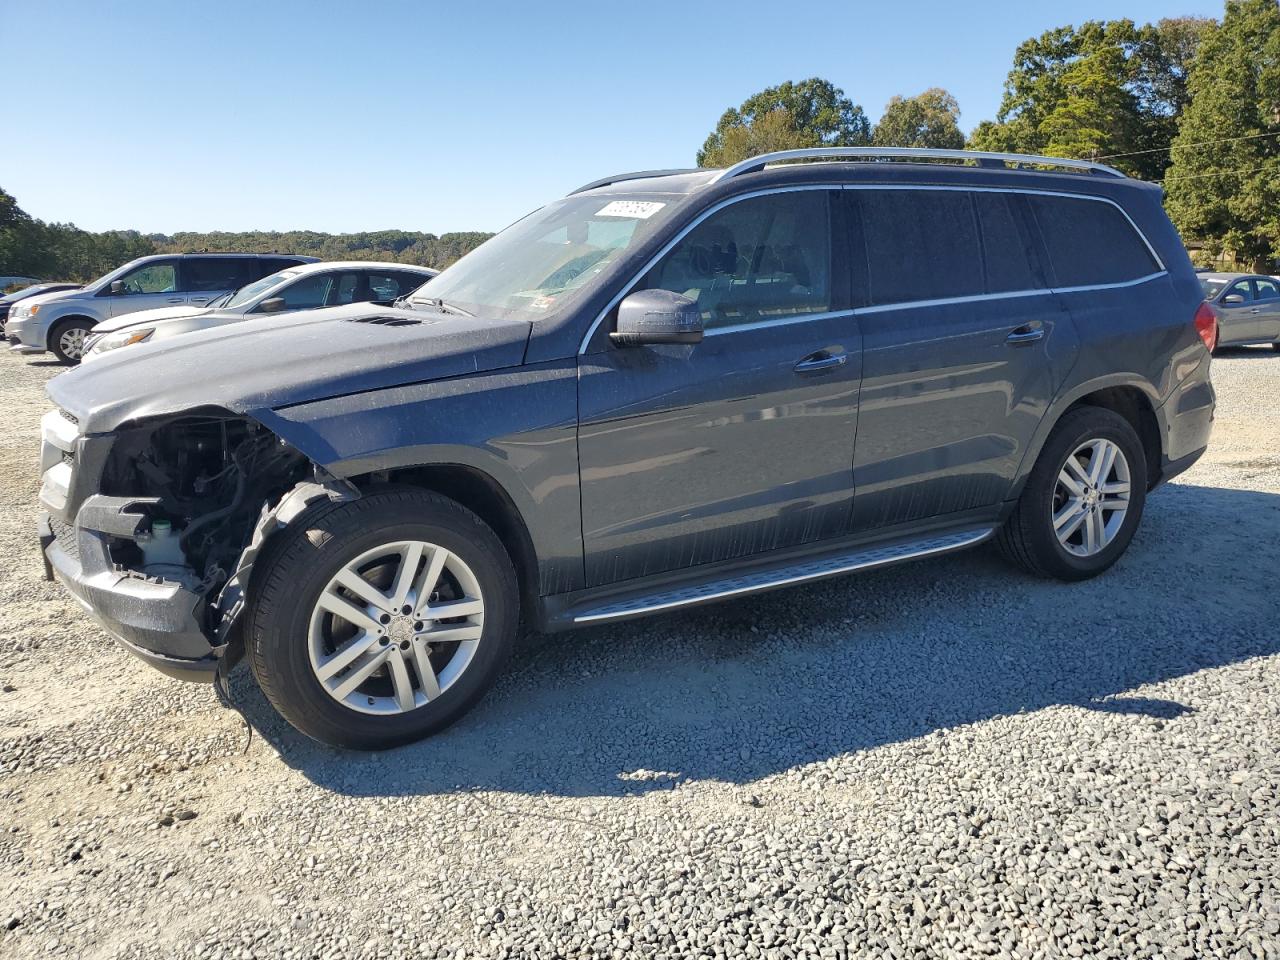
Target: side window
x=214, y=273
x=159, y=277
x=1005, y=244
x=921, y=245
x=754, y=260
x=1090, y=242
x=346, y=290
x=1266, y=290
x=309, y=292
x=1240, y=289
x=385, y=287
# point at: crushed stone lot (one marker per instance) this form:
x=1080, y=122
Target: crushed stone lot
x=947, y=758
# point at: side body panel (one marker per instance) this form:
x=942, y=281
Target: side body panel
x=517, y=425
x=695, y=454
x=949, y=405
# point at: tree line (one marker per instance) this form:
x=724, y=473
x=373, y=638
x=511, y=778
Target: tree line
x=62, y=251
x=1192, y=103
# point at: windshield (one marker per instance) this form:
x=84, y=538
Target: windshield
x=1212, y=287
x=251, y=290
x=546, y=260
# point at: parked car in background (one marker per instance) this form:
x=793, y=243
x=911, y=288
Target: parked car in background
x=1247, y=306
x=34, y=290
x=662, y=390
x=303, y=287
x=60, y=322
x=7, y=282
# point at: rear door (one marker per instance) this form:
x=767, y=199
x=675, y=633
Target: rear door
x=961, y=340
x=743, y=443
x=1266, y=305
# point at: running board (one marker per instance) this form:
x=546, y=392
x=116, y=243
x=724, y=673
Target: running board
x=830, y=565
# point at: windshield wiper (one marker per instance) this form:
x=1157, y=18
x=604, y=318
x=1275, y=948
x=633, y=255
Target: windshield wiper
x=442, y=305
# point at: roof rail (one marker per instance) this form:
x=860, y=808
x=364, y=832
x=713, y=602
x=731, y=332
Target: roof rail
x=908, y=153
x=622, y=177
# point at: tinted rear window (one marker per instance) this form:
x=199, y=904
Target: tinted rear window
x=1090, y=242
x=921, y=245
x=214, y=273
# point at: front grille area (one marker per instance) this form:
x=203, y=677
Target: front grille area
x=65, y=534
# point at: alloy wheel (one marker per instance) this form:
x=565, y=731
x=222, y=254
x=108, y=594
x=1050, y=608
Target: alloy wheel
x=1091, y=497
x=396, y=627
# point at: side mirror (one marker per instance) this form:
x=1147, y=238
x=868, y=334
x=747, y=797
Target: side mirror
x=117, y=286
x=274, y=305
x=1233, y=299
x=657, y=316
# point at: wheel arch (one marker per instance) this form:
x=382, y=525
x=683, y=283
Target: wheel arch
x=57, y=322
x=484, y=496
x=1134, y=399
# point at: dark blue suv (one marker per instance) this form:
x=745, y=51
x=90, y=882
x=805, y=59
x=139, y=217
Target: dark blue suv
x=665, y=389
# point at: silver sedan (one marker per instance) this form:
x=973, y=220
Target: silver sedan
x=1247, y=306
x=304, y=287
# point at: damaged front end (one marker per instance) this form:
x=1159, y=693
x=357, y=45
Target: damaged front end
x=155, y=526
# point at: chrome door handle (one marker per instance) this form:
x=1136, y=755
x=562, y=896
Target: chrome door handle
x=820, y=361
x=1027, y=333
x=176, y=300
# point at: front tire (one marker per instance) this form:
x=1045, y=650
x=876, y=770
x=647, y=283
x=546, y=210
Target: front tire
x=381, y=621
x=1083, y=501
x=66, y=340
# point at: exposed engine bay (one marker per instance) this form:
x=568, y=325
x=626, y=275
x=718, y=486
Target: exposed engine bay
x=203, y=481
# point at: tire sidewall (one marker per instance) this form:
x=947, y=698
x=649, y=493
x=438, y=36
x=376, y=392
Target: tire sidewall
x=280, y=630
x=1081, y=427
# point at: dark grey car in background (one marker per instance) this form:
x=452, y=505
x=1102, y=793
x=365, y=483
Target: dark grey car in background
x=1247, y=307
x=662, y=390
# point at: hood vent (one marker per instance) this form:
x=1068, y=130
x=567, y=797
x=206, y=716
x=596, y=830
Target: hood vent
x=386, y=321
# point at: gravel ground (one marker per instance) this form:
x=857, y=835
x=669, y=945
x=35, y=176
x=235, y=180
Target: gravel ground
x=943, y=759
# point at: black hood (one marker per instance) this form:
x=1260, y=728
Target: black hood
x=271, y=362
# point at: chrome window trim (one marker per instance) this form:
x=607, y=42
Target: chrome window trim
x=1008, y=295
x=880, y=308
x=784, y=321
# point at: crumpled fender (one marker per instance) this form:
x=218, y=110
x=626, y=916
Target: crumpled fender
x=232, y=598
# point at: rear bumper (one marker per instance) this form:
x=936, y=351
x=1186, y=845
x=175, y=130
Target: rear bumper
x=155, y=620
x=1186, y=421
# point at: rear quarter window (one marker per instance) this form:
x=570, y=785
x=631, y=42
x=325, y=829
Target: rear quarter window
x=1090, y=242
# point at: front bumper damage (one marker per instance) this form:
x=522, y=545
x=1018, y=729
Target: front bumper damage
x=179, y=623
x=159, y=621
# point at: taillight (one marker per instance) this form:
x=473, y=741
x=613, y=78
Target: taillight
x=1207, y=326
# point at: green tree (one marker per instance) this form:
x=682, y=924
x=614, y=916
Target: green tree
x=811, y=113
x=931, y=119
x=1223, y=187
x=1097, y=90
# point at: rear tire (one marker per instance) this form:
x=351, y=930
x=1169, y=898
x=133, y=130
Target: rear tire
x=66, y=339
x=1068, y=523
x=413, y=676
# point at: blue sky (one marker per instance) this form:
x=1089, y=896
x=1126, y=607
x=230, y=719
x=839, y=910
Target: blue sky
x=335, y=116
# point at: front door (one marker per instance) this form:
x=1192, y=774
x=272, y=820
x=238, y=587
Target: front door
x=153, y=284
x=956, y=344
x=1237, y=322
x=742, y=443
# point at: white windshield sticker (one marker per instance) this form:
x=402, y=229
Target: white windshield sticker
x=632, y=209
